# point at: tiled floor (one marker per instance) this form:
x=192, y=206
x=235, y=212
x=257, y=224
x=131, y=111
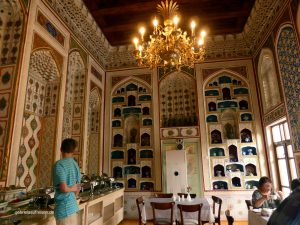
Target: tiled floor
x=135, y=222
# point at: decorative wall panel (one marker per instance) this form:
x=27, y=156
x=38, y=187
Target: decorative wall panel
x=46, y=152
x=178, y=100
x=96, y=74
x=74, y=100
x=94, y=124
x=47, y=25
x=268, y=81
x=289, y=63
x=275, y=114
x=28, y=152
x=10, y=32
x=39, y=121
x=11, y=26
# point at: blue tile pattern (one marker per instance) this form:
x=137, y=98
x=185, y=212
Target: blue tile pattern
x=289, y=63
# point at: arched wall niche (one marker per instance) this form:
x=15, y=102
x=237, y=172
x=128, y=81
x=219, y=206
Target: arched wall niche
x=39, y=121
x=73, y=121
x=178, y=100
x=120, y=88
x=132, y=97
x=230, y=125
x=227, y=96
x=268, y=81
x=94, y=126
x=132, y=129
x=12, y=19
x=212, y=81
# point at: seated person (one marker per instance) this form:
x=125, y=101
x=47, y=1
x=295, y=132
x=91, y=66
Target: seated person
x=295, y=184
x=287, y=212
x=261, y=198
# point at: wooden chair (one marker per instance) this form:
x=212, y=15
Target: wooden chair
x=216, y=201
x=230, y=219
x=140, y=203
x=190, y=208
x=185, y=195
x=163, y=195
x=248, y=203
x=162, y=206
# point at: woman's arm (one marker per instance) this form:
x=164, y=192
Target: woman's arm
x=259, y=202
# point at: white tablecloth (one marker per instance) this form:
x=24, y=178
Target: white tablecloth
x=256, y=218
x=206, y=212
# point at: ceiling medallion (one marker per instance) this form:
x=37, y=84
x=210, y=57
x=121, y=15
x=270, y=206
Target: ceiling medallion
x=169, y=45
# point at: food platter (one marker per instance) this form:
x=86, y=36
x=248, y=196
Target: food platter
x=19, y=202
x=8, y=193
x=3, y=204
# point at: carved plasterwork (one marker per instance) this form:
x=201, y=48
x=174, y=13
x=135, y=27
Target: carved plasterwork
x=43, y=61
x=262, y=16
x=81, y=22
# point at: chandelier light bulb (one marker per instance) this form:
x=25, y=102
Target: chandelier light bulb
x=176, y=21
x=203, y=33
x=155, y=22
x=135, y=41
x=201, y=41
x=142, y=32
x=193, y=25
x=140, y=48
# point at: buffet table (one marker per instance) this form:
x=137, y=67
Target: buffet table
x=255, y=218
x=104, y=209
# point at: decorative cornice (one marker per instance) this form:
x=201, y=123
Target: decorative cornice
x=263, y=14
x=76, y=15
x=78, y=18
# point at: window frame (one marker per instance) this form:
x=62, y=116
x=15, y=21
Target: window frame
x=284, y=142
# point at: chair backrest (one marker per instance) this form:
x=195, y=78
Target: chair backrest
x=190, y=208
x=217, y=201
x=248, y=203
x=139, y=204
x=162, y=206
x=230, y=219
x=185, y=195
x=163, y=195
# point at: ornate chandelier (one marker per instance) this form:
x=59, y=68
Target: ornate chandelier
x=169, y=45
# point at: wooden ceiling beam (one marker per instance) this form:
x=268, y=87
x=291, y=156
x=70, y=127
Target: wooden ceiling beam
x=127, y=9
x=132, y=25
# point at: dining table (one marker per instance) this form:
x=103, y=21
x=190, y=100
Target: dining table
x=255, y=218
x=206, y=211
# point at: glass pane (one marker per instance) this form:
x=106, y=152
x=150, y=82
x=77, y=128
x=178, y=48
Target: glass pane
x=280, y=152
x=293, y=168
x=276, y=133
x=287, y=131
x=283, y=173
x=290, y=151
x=282, y=132
x=286, y=191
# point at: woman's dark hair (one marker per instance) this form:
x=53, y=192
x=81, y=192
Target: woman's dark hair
x=68, y=145
x=295, y=183
x=264, y=180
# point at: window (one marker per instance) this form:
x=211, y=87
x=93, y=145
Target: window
x=284, y=156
